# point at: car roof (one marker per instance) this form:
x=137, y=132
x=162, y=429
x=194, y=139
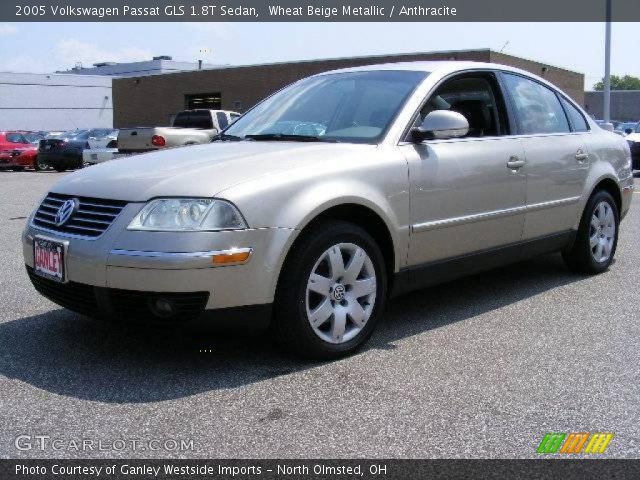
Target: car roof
x=442, y=67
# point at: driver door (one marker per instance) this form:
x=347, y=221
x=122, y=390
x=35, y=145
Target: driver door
x=467, y=194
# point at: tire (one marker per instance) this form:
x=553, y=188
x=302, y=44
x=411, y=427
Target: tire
x=298, y=297
x=39, y=165
x=597, y=238
x=60, y=168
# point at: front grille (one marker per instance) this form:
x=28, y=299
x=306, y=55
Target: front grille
x=91, y=219
x=130, y=305
x=74, y=296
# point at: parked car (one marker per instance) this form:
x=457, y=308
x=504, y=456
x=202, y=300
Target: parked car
x=103, y=138
x=64, y=151
x=625, y=128
x=190, y=127
x=633, y=139
x=423, y=172
x=17, y=152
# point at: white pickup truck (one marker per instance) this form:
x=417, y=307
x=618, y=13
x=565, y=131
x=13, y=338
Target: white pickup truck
x=190, y=127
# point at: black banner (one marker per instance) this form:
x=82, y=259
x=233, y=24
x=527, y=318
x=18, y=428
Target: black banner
x=316, y=11
x=318, y=469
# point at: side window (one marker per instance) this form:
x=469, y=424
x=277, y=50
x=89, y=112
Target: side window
x=475, y=98
x=15, y=138
x=578, y=123
x=537, y=107
x=222, y=120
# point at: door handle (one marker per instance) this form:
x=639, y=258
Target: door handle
x=514, y=163
x=581, y=156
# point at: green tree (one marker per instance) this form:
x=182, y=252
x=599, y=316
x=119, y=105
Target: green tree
x=628, y=82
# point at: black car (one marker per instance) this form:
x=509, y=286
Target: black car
x=64, y=152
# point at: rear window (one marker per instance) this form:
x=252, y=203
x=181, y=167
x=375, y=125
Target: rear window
x=194, y=119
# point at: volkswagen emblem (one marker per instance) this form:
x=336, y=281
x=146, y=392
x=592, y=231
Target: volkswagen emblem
x=65, y=211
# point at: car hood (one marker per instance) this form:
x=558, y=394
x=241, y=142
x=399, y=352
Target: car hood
x=633, y=137
x=201, y=170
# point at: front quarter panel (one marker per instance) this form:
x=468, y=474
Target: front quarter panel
x=370, y=176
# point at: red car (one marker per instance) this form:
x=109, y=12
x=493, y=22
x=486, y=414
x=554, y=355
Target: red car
x=17, y=151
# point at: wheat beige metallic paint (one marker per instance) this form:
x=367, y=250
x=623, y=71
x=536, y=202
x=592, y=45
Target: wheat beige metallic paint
x=438, y=199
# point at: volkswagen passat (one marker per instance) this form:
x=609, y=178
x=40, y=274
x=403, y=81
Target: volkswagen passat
x=331, y=195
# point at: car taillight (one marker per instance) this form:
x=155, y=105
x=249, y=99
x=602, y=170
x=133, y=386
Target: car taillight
x=158, y=141
x=112, y=144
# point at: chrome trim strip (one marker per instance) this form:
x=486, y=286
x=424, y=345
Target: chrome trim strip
x=172, y=260
x=58, y=234
x=552, y=203
x=478, y=217
x=150, y=254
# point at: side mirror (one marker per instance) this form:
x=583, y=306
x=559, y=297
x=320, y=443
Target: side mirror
x=628, y=131
x=441, y=124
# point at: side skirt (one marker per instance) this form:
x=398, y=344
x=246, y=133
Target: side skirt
x=433, y=273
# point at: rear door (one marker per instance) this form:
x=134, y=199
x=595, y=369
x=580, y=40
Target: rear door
x=556, y=156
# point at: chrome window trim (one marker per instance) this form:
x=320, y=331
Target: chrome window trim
x=478, y=217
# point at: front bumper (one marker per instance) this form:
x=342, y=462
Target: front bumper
x=146, y=265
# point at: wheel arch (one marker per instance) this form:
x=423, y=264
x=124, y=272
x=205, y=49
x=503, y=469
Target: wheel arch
x=357, y=213
x=610, y=186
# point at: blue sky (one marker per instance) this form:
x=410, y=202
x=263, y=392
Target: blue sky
x=46, y=47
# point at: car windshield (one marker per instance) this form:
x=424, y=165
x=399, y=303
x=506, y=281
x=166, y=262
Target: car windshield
x=623, y=126
x=33, y=137
x=354, y=107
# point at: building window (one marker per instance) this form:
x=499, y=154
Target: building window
x=210, y=101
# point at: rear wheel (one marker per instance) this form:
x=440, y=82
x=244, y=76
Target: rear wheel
x=597, y=237
x=39, y=165
x=331, y=293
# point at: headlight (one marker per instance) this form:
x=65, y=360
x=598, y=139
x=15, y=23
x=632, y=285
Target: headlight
x=188, y=215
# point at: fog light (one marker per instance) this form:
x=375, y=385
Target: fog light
x=161, y=307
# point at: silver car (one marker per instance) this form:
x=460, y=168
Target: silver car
x=333, y=194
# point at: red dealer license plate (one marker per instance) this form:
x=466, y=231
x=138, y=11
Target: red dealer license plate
x=48, y=257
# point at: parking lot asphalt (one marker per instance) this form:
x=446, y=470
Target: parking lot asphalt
x=480, y=367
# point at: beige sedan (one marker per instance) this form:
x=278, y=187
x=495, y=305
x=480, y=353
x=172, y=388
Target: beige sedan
x=331, y=195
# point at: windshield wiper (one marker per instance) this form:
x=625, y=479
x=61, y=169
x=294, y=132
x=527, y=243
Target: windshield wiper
x=226, y=137
x=288, y=137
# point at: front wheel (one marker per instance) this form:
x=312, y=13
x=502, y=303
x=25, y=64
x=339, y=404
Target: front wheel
x=331, y=293
x=597, y=237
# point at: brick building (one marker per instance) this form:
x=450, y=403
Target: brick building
x=153, y=100
x=625, y=105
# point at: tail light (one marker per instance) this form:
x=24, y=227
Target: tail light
x=112, y=144
x=158, y=141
